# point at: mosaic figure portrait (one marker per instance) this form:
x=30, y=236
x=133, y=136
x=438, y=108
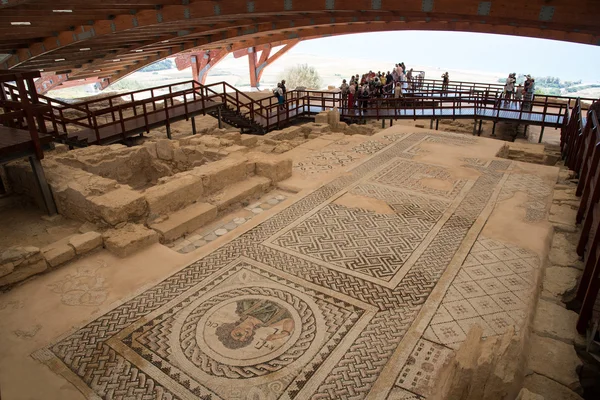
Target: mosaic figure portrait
x=253, y=314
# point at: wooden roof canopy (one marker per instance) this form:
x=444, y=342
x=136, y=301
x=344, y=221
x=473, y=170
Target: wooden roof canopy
x=113, y=38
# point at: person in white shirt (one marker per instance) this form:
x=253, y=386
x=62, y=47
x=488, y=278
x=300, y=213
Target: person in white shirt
x=279, y=95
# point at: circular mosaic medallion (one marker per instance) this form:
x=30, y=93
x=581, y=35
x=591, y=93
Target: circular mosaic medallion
x=247, y=332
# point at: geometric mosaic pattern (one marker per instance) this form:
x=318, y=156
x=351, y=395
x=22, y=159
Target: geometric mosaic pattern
x=324, y=161
x=414, y=176
x=406, y=204
x=360, y=240
x=538, y=194
x=446, y=139
x=422, y=366
x=491, y=289
x=368, y=147
x=251, y=320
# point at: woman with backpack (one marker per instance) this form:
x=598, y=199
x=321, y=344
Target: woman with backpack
x=278, y=92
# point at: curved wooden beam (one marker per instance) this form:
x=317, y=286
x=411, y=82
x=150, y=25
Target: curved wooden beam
x=535, y=18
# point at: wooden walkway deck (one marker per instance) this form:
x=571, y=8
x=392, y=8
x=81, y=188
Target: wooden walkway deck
x=109, y=120
x=532, y=118
x=17, y=143
x=515, y=115
x=127, y=127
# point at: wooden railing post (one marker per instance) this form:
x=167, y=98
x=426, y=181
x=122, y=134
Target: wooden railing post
x=112, y=111
x=167, y=124
x=122, y=121
x=145, y=117
x=95, y=124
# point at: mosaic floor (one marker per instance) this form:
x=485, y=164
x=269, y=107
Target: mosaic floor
x=326, y=298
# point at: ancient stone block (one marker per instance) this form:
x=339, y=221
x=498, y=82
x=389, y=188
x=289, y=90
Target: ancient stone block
x=554, y=359
x=525, y=394
x=118, y=206
x=455, y=377
x=87, y=227
x=60, y=148
x=504, y=380
x=564, y=215
x=86, y=242
x=282, y=148
x=177, y=192
x=72, y=189
x=240, y=191
x=248, y=140
x=555, y=322
x=333, y=119
x=58, y=253
x=6, y=268
x=18, y=254
x=565, y=194
x=218, y=174
x=563, y=250
x=129, y=239
x=23, y=272
x=235, y=137
x=342, y=126
x=550, y=389
x=236, y=149
x=322, y=118
x=354, y=129
x=208, y=141
x=164, y=149
x=558, y=281
x=276, y=168
x=18, y=263
x=186, y=141
x=151, y=147
x=185, y=221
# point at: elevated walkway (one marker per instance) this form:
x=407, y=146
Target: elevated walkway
x=115, y=118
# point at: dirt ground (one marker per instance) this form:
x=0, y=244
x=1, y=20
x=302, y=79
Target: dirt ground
x=26, y=225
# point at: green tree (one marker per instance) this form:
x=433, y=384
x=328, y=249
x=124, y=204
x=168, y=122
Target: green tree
x=159, y=66
x=302, y=75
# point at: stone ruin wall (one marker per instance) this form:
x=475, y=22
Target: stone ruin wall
x=159, y=190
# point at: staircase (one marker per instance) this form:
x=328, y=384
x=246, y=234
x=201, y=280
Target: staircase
x=235, y=118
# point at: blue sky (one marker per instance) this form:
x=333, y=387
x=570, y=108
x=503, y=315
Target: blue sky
x=467, y=51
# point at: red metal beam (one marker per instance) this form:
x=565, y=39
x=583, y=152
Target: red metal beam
x=202, y=64
x=49, y=81
x=257, y=67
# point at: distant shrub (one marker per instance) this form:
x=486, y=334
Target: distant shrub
x=159, y=66
x=302, y=75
